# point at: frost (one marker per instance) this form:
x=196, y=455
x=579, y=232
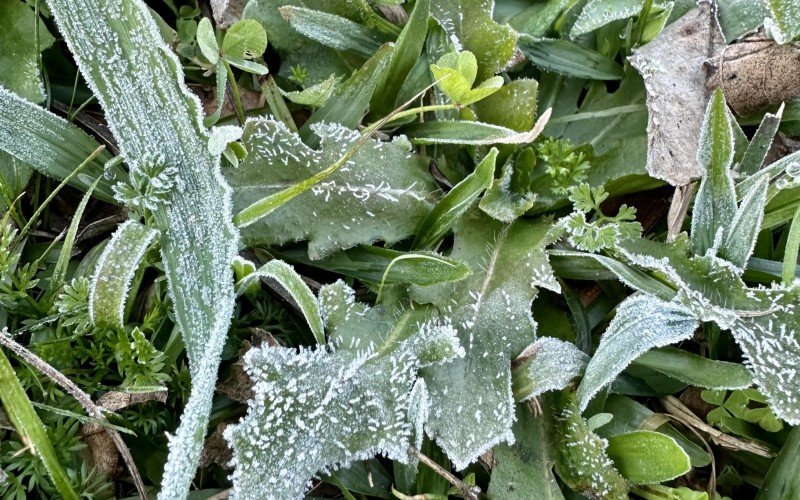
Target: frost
x=382, y=192
x=139, y=83
x=641, y=323
x=552, y=365
x=316, y=410
x=598, y=13
x=784, y=25
x=149, y=186
x=472, y=407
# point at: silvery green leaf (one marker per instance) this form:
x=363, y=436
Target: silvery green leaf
x=784, y=25
x=330, y=30
x=382, y=192
x=641, y=323
x=114, y=273
x=759, y=146
x=502, y=201
x=472, y=406
x=598, y=13
x=207, y=41
x=349, y=400
x=740, y=238
x=551, y=365
x=198, y=241
x=19, y=50
x=715, y=204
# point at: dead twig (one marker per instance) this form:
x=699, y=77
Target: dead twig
x=84, y=399
x=469, y=492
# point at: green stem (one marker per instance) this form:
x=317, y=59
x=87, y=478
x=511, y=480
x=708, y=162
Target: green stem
x=30, y=428
x=276, y=103
x=421, y=109
x=237, y=98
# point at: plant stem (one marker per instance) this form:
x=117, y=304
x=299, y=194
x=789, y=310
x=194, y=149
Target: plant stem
x=237, y=98
x=276, y=103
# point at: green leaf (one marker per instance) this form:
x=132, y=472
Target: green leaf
x=568, y=58
x=51, y=145
x=504, y=201
x=435, y=226
x=598, y=13
x=641, y=323
x=646, y=457
x=19, y=53
x=696, y=370
x=342, y=402
x=551, y=365
x=469, y=26
x=116, y=267
x=762, y=140
x=512, y=106
x=197, y=255
x=207, y=41
x=314, y=96
x=471, y=400
x=527, y=465
x=331, y=30
x=715, y=204
x=382, y=192
x=30, y=428
x=782, y=480
x=455, y=74
x=740, y=237
x=293, y=283
x=740, y=17
x=382, y=265
x=246, y=39
x=784, y=25
x=471, y=133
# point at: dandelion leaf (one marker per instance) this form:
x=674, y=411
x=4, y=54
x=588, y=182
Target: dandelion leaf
x=315, y=410
x=382, y=193
x=472, y=407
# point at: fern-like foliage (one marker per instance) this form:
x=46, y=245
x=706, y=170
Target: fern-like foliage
x=314, y=410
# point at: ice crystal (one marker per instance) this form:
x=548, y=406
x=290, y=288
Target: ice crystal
x=315, y=410
x=472, y=407
x=382, y=192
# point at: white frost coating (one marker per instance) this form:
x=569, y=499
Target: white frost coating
x=472, y=406
x=115, y=269
x=784, y=25
x=740, y=237
x=382, y=193
x=642, y=323
x=316, y=410
x=222, y=136
x=598, y=13
x=553, y=365
x=139, y=83
x=288, y=278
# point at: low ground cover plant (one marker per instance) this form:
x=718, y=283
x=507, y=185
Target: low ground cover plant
x=399, y=249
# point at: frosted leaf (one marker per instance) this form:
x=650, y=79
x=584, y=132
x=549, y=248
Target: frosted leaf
x=114, y=273
x=641, y=323
x=598, y=13
x=469, y=26
x=472, y=407
x=740, y=237
x=150, y=184
x=138, y=81
x=784, y=25
x=222, y=136
x=551, y=365
x=503, y=200
x=582, y=462
x=382, y=192
x=316, y=410
x=19, y=50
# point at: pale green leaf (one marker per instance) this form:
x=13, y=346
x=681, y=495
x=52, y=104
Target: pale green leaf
x=207, y=41
x=244, y=40
x=740, y=237
x=568, y=58
x=696, y=370
x=762, y=140
x=314, y=96
x=339, y=403
x=647, y=457
x=598, y=13
x=551, y=365
x=784, y=25
x=472, y=133
x=641, y=323
x=332, y=31
x=381, y=193
x=512, y=106
x=19, y=59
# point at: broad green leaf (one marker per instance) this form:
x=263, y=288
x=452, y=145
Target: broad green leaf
x=526, y=467
x=740, y=237
x=314, y=96
x=50, y=144
x=433, y=228
x=20, y=412
x=641, y=323
x=782, y=480
x=581, y=460
x=408, y=49
x=740, y=17
x=551, y=365
x=338, y=403
x=503, y=200
x=198, y=240
x=598, y=13
x=647, y=457
x=568, y=58
x=469, y=26
x=19, y=58
x=715, y=204
x=293, y=283
x=207, y=41
x=512, y=106
x=471, y=133
x=784, y=25
x=382, y=193
x=472, y=405
x=696, y=370
x=119, y=262
x=244, y=40
x=332, y=31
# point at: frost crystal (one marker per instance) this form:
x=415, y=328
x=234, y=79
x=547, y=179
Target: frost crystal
x=317, y=410
x=381, y=193
x=472, y=407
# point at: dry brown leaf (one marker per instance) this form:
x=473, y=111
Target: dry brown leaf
x=674, y=74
